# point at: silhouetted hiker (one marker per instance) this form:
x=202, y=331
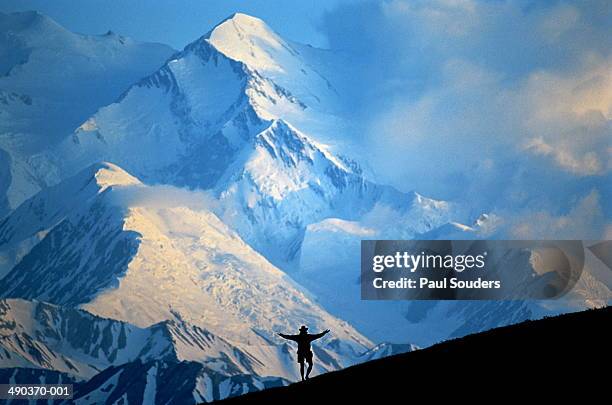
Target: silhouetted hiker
x=303, y=340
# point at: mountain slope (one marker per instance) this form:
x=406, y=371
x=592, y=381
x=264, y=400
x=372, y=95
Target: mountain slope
x=540, y=352
x=51, y=80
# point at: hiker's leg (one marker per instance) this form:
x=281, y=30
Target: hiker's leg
x=302, y=370
x=309, y=368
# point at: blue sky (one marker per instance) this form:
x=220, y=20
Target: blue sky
x=178, y=22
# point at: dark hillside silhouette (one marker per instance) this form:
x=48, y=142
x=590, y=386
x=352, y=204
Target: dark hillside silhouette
x=550, y=358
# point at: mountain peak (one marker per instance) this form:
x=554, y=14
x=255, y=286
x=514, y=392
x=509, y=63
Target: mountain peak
x=249, y=40
x=108, y=174
x=245, y=18
x=245, y=21
x=51, y=205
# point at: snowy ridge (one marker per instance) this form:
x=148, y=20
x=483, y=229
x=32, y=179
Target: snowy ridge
x=43, y=342
x=40, y=335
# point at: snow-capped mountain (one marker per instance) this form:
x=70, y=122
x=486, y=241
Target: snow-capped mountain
x=104, y=252
x=118, y=251
x=51, y=80
x=102, y=241
x=241, y=112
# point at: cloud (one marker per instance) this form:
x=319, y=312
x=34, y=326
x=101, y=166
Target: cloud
x=162, y=196
x=568, y=117
x=588, y=164
x=584, y=221
x=500, y=105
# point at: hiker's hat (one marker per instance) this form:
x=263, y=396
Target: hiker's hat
x=303, y=328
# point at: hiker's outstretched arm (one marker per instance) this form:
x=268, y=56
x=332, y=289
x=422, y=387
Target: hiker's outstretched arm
x=320, y=335
x=289, y=337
